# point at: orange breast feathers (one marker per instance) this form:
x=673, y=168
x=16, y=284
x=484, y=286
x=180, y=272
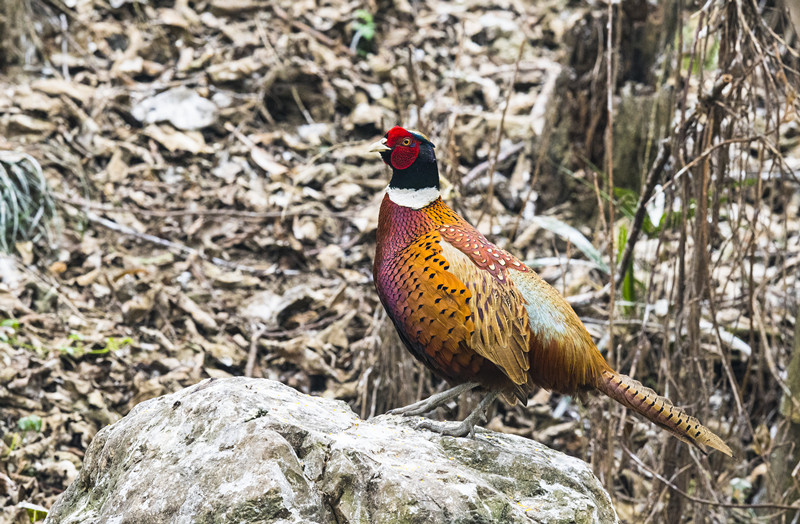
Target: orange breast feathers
x=430, y=307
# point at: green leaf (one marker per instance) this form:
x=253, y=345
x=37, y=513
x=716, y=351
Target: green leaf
x=626, y=201
x=30, y=423
x=35, y=511
x=13, y=323
x=67, y=350
x=12, y=440
x=622, y=239
x=26, y=201
x=364, y=24
x=112, y=344
x=628, y=282
x=628, y=285
x=364, y=17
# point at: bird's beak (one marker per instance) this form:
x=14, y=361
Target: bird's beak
x=379, y=146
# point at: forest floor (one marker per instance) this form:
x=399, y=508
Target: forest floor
x=218, y=209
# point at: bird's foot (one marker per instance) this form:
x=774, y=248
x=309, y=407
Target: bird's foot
x=434, y=401
x=466, y=426
x=451, y=429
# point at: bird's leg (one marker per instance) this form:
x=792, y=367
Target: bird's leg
x=466, y=426
x=434, y=401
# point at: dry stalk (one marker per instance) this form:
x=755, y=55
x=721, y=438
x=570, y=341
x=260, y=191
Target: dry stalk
x=419, y=100
x=673, y=487
x=169, y=244
x=258, y=330
x=488, y=206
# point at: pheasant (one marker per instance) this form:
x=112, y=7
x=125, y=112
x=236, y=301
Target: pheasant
x=478, y=317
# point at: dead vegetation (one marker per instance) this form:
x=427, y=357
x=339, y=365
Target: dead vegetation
x=219, y=206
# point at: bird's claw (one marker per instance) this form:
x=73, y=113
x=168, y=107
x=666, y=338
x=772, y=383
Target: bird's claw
x=407, y=411
x=462, y=429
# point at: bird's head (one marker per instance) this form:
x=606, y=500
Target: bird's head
x=415, y=175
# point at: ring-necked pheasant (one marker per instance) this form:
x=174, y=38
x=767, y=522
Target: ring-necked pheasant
x=477, y=316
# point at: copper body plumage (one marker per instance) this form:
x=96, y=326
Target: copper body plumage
x=474, y=313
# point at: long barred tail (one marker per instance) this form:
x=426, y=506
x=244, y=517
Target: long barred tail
x=659, y=410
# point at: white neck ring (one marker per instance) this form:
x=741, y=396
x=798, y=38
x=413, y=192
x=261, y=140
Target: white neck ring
x=413, y=198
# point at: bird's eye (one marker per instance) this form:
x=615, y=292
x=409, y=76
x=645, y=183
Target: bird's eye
x=406, y=141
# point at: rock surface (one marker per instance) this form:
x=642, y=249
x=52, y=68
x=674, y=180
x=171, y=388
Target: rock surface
x=249, y=450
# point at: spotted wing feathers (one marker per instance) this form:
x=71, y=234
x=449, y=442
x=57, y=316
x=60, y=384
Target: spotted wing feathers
x=501, y=333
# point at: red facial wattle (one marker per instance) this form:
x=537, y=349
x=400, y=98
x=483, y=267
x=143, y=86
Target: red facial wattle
x=405, y=148
x=404, y=156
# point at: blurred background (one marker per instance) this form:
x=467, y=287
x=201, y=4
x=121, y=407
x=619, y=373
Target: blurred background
x=185, y=192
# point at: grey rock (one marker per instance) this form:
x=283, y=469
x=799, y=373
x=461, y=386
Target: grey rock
x=250, y=450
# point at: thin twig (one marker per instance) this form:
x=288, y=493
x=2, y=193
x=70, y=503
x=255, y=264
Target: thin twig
x=327, y=41
x=673, y=487
x=769, y=357
x=500, y=129
x=231, y=213
x=612, y=358
x=301, y=105
x=181, y=248
x=702, y=156
x=584, y=299
x=54, y=286
x=412, y=75
x=641, y=209
x=478, y=170
x=610, y=79
x=251, y=356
